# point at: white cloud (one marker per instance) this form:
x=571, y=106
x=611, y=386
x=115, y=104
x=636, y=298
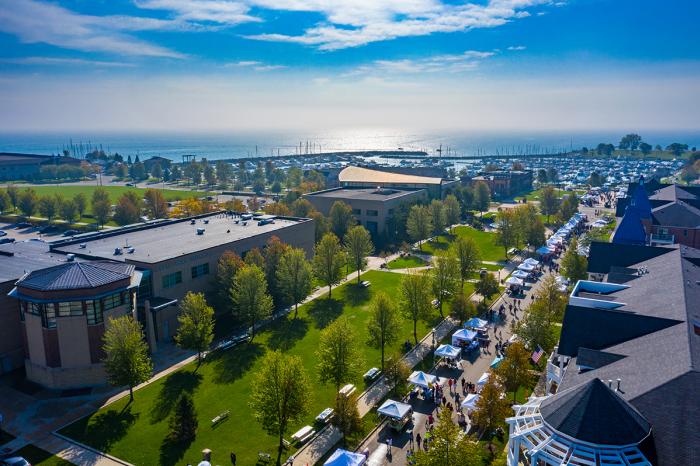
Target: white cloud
x=516, y=48
x=64, y=61
x=215, y=11
x=456, y=63
x=36, y=22
x=255, y=65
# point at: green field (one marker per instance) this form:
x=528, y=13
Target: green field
x=406, y=262
x=38, y=457
x=136, y=432
x=486, y=241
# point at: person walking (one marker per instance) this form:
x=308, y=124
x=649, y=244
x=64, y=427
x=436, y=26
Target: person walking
x=233, y=458
x=418, y=440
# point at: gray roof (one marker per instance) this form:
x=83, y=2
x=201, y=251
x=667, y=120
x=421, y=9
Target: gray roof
x=365, y=194
x=677, y=214
x=77, y=276
x=16, y=259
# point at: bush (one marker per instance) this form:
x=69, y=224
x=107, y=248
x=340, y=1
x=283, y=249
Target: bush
x=183, y=422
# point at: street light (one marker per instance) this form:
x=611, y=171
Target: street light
x=433, y=338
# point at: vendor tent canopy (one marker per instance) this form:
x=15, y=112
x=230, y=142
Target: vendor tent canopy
x=531, y=261
x=484, y=377
x=521, y=274
x=448, y=351
x=394, y=409
x=496, y=362
x=475, y=322
x=463, y=335
x=544, y=250
x=470, y=401
x=526, y=267
x=345, y=458
x=421, y=379
x=514, y=281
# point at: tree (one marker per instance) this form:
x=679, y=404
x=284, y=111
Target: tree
x=183, y=423
x=156, y=206
x=157, y=171
x=50, y=205
x=69, y=211
x=596, y=179
x=341, y=218
x=514, y=370
x=294, y=275
x=384, y=323
x=574, y=266
x=568, y=207
x=605, y=149
x=249, y=296
x=534, y=236
x=210, y=175
x=437, y=216
x=508, y=233
x=462, y=307
x=468, y=256
x=677, y=148
x=196, y=319
x=5, y=201
x=453, y=211
x=101, y=205
x=396, y=371
x=255, y=257
x=450, y=446
x=419, y=224
x=138, y=171
x=282, y=395
x=339, y=356
x=536, y=328
x=645, y=148
x=273, y=252
x=630, y=142
x=346, y=416
x=482, y=197
x=28, y=202
x=358, y=245
x=13, y=194
x=81, y=201
x=128, y=208
x=491, y=409
x=444, y=277
x=415, y=298
x=226, y=269
x=126, y=353
x=552, y=175
x=549, y=202
x=302, y=208
x=487, y=286
x=328, y=261
x=542, y=176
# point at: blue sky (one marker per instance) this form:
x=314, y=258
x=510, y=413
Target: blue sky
x=491, y=64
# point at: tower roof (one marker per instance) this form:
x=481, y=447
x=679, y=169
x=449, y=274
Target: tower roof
x=640, y=201
x=631, y=229
x=76, y=275
x=592, y=412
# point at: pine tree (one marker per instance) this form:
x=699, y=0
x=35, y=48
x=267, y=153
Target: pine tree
x=183, y=423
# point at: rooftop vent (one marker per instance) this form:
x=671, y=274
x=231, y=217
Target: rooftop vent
x=131, y=250
x=206, y=222
x=82, y=245
x=70, y=257
x=200, y=231
x=117, y=251
x=193, y=221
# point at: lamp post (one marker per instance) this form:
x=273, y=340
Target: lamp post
x=433, y=338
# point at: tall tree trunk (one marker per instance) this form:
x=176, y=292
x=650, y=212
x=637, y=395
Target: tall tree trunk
x=415, y=331
x=358, y=275
x=280, y=447
x=330, y=290
x=131, y=393
x=296, y=310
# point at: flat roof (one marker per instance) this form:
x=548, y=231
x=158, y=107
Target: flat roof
x=365, y=194
x=169, y=240
x=22, y=257
x=366, y=175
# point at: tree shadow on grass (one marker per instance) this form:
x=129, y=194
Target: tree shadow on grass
x=355, y=295
x=174, y=385
x=232, y=364
x=101, y=431
x=286, y=332
x=324, y=311
x=172, y=451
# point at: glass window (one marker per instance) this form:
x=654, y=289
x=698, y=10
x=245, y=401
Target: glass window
x=372, y=213
x=94, y=312
x=172, y=279
x=357, y=211
x=112, y=301
x=200, y=270
x=73, y=308
x=48, y=317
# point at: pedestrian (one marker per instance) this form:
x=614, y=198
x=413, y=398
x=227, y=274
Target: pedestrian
x=233, y=458
x=449, y=382
x=457, y=398
x=418, y=440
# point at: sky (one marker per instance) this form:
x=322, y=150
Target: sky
x=210, y=65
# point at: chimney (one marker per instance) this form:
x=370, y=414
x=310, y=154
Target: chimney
x=618, y=385
x=610, y=383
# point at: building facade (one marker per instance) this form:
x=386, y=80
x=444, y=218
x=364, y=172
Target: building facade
x=360, y=177
x=506, y=183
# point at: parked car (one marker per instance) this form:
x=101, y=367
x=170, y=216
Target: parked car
x=23, y=225
x=48, y=229
x=6, y=240
x=3, y=233
x=70, y=232
x=15, y=461
x=130, y=184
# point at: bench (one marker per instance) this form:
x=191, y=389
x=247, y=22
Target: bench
x=220, y=417
x=264, y=457
x=325, y=416
x=303, y=434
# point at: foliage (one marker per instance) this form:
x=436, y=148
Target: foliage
x=196, y=324
x=321, y=225
x=5, y=201
x=249, y=295
x=549, y=202
x=445, y=276
x=358, y=245
x=346, y=416
x=507, y=234
x=482, y=197
x=69, y=210
x=227, y=267
x=50, y=205
x=101, y=205
x=338, y=354
x=384, y=323
x=328, y=261
x=294, y=276
x=396, y=372
x=453, y=211
x=183, y=422
x=341, y=218
x=419, y=224
x=450, y=446
x=568, y=207
x=574, y=266
x=255, y=257
x=462, y=307
x=491, y=408
x=126, y=353
x=156, y=206
x=468, y=256
x=274, y=249
x=437, y=216
x=487, y=286
x=281, y=394
x=514, y=369
x=28, y=202
x=128, y=208
x=415, y=298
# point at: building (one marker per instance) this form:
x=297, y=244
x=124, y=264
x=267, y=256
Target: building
x=360, y=177
x=156, y=159
x=506, y=183
x=622, y=383
x=47, y=284
x=372, y=207
x=27, y=166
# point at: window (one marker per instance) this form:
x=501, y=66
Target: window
x=200, y=270
x=74, y=308
x=112, y=301
x=48, y=316
x=36, y=308
x=685, y=232
x=357, y=211
x=94, y=312
x=172, y=279
x=372, y=213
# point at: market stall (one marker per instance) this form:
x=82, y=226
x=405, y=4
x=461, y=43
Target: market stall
x=449, y=354
x=345, y=458
x=398, y=414
x=476, y=324
x=421, y=379
x=463, y=337
x=470, y=400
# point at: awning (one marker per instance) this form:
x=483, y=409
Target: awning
x=483, y=379
x=394, y=409
x=475, y=322
x=521, y=274
x=470, y=401
x=345, y=458
x=496, y=362
x=463, y=335
x=526, y=267
x=513, y=281
x=448, y=351
x=531, y=261
x=421, y=379
x=544, y=250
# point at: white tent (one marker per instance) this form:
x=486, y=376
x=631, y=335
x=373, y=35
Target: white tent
x=421, y=379
x=345, y=458
x=463, y=335
x=448, y=351
x=526, y=267
x=521, y=274
x=531, y=261
x=394, y=409
x=544, y=250
x=470, y=401
x=475, y=322
x=513, y=281
x=483, y=379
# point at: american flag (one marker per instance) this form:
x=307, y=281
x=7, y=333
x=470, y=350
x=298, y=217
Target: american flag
x=537, y=354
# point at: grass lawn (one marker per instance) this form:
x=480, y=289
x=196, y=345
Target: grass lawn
x=114, y=192
x=38, y=457
x=406, y=262
x=486, y=241
x=137, y=432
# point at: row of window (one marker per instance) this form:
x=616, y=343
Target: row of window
x=173, y=279
x=92, y=309
x=368, y=212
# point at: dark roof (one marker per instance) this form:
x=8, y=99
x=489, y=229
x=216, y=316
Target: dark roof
x=602, y=256
x=20, y=257
x=630, y=230
x=593, y=412
x=594, y=359
x=640, y=201
x=77, y=275
x=677, y=214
